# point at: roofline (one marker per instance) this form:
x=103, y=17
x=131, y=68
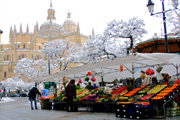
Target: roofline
x=156, y=38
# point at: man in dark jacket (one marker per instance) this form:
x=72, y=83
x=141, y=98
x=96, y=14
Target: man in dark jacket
x=70, y=94
x=32, y=97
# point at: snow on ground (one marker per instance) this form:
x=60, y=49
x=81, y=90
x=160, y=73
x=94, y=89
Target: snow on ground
x=6, y=99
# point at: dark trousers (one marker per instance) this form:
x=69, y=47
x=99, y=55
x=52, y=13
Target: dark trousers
x=70, y=104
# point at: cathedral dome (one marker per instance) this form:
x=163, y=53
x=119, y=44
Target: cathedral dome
x=69, y=25
x=47, y=24
x=69, y=21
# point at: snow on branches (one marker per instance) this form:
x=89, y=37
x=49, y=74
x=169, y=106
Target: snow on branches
x=29, y=69
x=60, y=52
x=117, y=40
x=132, y=29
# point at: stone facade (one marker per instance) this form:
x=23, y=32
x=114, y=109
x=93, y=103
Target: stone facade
x=25, y=44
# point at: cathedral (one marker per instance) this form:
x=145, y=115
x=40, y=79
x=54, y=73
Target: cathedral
x=28, y=45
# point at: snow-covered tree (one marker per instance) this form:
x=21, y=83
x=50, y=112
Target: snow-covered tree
x=173, y=18
x=132, y=30
x=60, y=53
x=24, y=68
x=29, y=69
x=9, y=84
x=29, y=85
x=101, y=47
x=16, y=84
x=117, y=40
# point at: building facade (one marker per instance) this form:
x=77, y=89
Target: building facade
x=28, y=45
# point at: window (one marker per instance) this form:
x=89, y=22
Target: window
x=19, y=57
x=39, y=47
x=5, y=74
x=18, y=46
x=7, y=57
x=37, y=57
x=24, y=46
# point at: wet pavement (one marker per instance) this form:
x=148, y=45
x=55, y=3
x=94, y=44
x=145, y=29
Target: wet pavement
x=19, y=109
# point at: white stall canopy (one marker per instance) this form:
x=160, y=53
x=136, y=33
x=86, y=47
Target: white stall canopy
x=110, y=70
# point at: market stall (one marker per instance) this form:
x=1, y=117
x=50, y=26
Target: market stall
x=124, y=103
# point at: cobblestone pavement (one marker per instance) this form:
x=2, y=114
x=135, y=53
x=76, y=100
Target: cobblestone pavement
x=19, y=109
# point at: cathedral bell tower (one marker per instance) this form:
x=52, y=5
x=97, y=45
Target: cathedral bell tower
x=51, y=12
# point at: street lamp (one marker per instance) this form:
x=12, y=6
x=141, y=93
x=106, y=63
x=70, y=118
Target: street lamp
x=150, y=6
x=49, y=69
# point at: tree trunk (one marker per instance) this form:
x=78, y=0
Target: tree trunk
x=131, y=44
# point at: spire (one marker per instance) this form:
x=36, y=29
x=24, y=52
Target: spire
x=15, y=31
x=68, y=14
x=78, y=29
x=21, y=28
x=37, y=26
x=11, y=35
x=27, y=29
x=78, y=40
x=50, y=3
x=51, y=12
x=93, y=34
x=35, y=30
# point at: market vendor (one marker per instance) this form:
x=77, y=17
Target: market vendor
x=154, y=80
x=89, y=86
x=166, y=78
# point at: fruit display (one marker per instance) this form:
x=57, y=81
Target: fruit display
x=145, y=89
x=166, y=92
x=123, y=98
x=145, y=97
x=131, y=93
x=103, y=97
x=156, y=89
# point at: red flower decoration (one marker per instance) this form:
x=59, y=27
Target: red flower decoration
x=93, y=79
x=150, y=71
x=89, y=73
x=80, y=81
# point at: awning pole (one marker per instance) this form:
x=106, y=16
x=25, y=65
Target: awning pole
x=133, y=74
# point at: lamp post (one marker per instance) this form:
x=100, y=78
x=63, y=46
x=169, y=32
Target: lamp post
x=49, y=70
x=150, y=6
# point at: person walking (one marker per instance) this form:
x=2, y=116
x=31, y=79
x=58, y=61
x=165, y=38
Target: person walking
x=70, y=94
x=32, y=97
